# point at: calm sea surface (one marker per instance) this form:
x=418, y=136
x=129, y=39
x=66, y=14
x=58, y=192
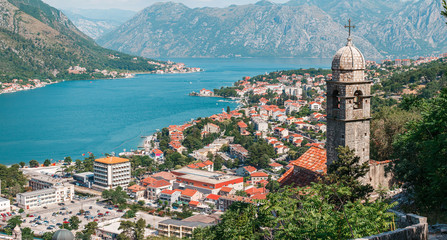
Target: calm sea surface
x=104, y=116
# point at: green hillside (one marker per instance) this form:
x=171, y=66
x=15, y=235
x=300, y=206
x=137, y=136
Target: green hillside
x=39, y=41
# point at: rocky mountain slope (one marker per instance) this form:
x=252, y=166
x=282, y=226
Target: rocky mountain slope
x=97, y=22
x=38, y=41
x=299, y=28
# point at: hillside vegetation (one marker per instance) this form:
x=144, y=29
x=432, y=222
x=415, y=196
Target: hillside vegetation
x=39, y=41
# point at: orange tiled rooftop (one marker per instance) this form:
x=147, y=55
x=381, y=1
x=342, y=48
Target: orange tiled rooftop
x=112, y=160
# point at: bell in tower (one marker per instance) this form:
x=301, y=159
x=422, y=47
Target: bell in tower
x=348, y=103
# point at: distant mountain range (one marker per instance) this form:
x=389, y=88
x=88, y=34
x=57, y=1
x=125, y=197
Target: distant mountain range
x=97, y=22
x=299, y=28
x=39, y=41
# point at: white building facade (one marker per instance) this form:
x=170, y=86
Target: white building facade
x=111, y=172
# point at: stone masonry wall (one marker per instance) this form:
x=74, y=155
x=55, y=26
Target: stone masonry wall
x=411, y=227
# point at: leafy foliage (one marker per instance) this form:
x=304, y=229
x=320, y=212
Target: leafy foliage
x=302, y=213
x=422, y=154
x=386, y=125
x=28, y=54
x=348, y=170
x=115, y=196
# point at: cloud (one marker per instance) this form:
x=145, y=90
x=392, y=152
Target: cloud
x=137, y=5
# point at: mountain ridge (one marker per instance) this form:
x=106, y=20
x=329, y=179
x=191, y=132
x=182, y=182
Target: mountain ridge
x=39, y=41
x=298, y=28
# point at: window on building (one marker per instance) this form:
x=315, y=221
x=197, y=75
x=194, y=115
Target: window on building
x=336, y=99
x=358, y=99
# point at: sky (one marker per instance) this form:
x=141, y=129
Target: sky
x=137, y=5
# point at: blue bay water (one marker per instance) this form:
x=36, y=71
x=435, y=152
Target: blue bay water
x=103, y=116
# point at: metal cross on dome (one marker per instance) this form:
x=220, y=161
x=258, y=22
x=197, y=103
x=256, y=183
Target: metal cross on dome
x=350, y=27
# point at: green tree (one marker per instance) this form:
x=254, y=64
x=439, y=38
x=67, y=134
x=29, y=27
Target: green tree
x=47, y=162
x=128, y=230
x=273, y=185
x=22, y=164
x=348, y=171
x=48, y=236
x=74, y=222
x=67, y=160
x=14, y=221
x=228, y=109
x=33, y=163
x=422, y=156
x=129, y=214
x=27, y=234
x=90, y=228
x=386, y=125
x=312, y=212
x=139, y=228
x=115, y=196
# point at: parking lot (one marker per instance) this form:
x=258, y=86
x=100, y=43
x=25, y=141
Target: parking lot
x=54, y=216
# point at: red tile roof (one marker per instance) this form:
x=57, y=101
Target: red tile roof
x=148, y=181
x=208, y=162
x=213, y=197
x=167, y=191
x=159, y=184
x=259, y=196
x=189, y=192
x=250, y=169
x=136, y=188
x=226, y=189
x=165, y=175
x=259, y=174
x=313, y=159
x=194, y=203
x=254, y=190
x=241, y=124
x=275, y=164
x=157, y=151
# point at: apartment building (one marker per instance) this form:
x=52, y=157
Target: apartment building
x=111, y=172
x=179, y=229
x=5, y=205
x=46, y=196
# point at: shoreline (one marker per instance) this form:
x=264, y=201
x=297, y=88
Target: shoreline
x=132, y=75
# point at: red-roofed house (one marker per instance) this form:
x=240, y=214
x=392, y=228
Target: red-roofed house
x=154, y=189
x=281, y=132
x=263, y=101
x=306, y=169
x=275, y=166
x=170, y=196
x=189, y=195
x=167, y=176
x=136, y=192
x=226, y=191
x=245, y=171
x=177, y=146
x=206, y=93
x=243, y=128
x=252, y=191
x=157, y=154
x=315, y=106
x=212, y=199
x=148, y=181
x=258, y=176
x=259, y=196
x=211, y=128
x=237, y=151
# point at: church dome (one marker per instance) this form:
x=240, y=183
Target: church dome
x=63, y=234
x=348, y=58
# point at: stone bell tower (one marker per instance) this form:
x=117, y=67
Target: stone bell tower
x=348, y=103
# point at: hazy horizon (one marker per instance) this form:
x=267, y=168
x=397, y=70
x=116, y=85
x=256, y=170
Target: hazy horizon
x=137, y=5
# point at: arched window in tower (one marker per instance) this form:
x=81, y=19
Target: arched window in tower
x=335, y=100
x=358, y=99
